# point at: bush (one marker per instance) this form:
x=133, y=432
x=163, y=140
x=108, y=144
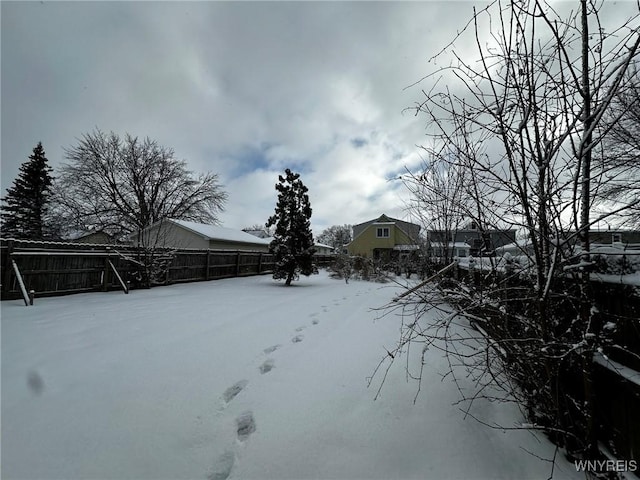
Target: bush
x=342, y=267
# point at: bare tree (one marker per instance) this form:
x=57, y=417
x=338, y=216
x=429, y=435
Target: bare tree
x=439, y=199
x=123, y=185
x=336, y=236
x=618, y=162
x=519, y=125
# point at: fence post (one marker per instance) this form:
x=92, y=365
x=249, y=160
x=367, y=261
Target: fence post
x=107, y=274
x=6, y=280
x=167, y=273
x=238, y=263
x=259, y=263
x=206, y=273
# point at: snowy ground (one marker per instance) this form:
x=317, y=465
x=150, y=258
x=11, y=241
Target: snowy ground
x=242, y=379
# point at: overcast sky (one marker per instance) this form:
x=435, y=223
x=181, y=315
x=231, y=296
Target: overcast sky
x=241, y=89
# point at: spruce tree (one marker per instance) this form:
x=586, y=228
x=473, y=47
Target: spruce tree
x=26, y=204
x=293, y=241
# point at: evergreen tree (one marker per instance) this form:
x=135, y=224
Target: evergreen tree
x=293, y=240
x=24, y=214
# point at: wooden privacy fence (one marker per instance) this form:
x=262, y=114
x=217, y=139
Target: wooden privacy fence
x=49, y=268
x=616, y=371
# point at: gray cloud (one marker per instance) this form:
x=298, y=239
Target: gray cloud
x=243, y=89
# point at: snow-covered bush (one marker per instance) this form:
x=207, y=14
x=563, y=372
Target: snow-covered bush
x=612, y=261
x=342, y=267
x=360, y=268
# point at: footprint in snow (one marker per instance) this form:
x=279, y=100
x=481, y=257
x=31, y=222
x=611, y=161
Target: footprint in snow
x=266, y=367
x=223, y=466
x=297, y=338
x=246, y=425
x=35, y=382
x=231, y=392
x=299, y=329
x=315, y=321
x=271, y=349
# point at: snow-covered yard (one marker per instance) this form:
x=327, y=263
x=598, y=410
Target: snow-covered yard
x=240, y=378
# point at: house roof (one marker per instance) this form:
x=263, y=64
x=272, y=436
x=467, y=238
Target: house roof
x=412, y=230
x=257, y=233
x=78, y=234
x=214, y=232
x=386, y=219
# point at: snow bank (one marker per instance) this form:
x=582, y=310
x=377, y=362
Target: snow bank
x=625, y=372
x=240, y=378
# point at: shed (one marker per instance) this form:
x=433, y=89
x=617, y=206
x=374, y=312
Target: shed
x=172, y=233
x=322, y=249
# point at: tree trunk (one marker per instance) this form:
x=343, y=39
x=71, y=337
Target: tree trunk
x=591, y=449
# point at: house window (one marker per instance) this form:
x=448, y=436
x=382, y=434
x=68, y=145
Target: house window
x=616, y=238
x=462, y=252
x=382, y=232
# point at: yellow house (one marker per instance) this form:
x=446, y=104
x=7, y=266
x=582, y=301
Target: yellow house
x=384, y=238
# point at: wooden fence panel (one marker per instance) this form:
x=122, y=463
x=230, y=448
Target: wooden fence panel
x=187, y=267
x=618, y=414
x=51, y=268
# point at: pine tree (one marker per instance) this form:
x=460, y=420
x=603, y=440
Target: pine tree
x=293, y=241
x=26, y=204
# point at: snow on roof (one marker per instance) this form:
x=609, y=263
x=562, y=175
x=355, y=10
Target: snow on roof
x=451, y=244
x=612, y=250
x=214, y=232
x=518, y=244
x=257, y=233
x=78, y=234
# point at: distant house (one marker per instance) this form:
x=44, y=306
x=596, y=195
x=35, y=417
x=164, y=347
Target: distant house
x=620, y=239
x=93, y=237
x=172, y=233
x=322, y=249
x=384, y=238
x=260, y=233
x=450, y=249
x=469, y=240
x=616, y=238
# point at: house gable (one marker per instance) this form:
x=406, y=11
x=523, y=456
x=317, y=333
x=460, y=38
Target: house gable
x=382, y=233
